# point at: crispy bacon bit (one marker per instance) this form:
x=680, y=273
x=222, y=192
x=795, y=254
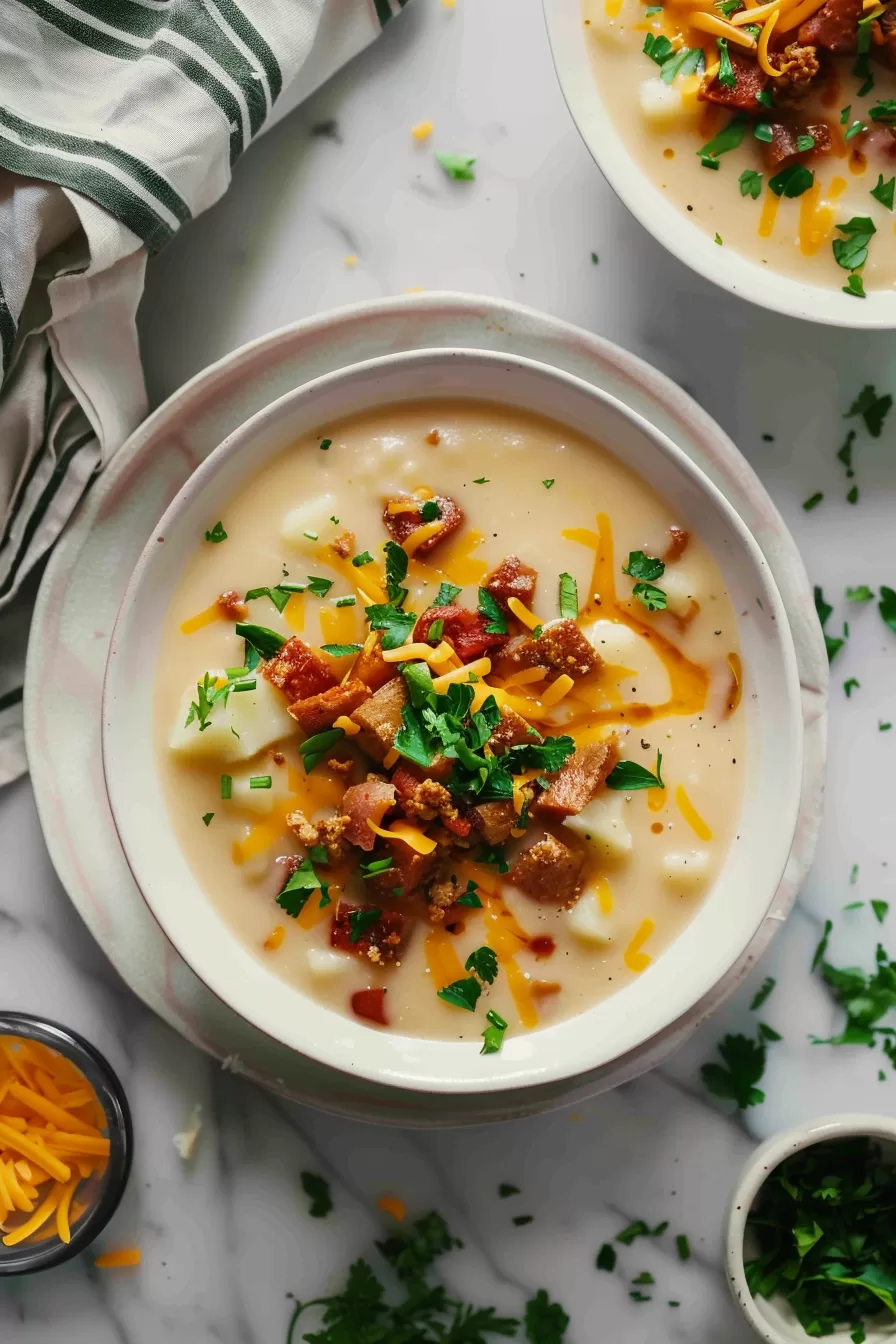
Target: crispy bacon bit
x=371, y=1005
x=749, y=80
x=365, y=802
x=459, y=826
x=495, y=820
x=321, y=711
x=512, y=579
x=800, y=66
x=440, y=898
x=379, y=718
x=401, y=525
x=384, y=938
x=344, y=544
x=298, y=672
x=678, y=544
x=370, y=666
x=562, y=646
x=549, y=871
x=422, y=798
x=576, y=782
x=463, y=629
x=835, y=26
x=340, y=767
x=513, y=731
x=408, y=872
x=783, y=144
x=434, y=437
x=232, y=606
x=328, y=832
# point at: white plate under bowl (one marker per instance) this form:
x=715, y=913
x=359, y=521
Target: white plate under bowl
x=82, y=591
x=668, y=223
x=727, y=917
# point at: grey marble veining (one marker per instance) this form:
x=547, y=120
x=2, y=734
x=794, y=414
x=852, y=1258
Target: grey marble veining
x=226, y=1236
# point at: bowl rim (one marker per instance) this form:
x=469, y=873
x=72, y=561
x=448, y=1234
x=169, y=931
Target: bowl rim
x=657, y=213
x=756, y=1171
x=525, y=1072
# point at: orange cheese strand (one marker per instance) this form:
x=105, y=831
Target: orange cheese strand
x=62, y=1119
x=634, y=958
x=201, y=619
x=63, y=1223
x=275, y=938
x=404, y=830
x=443, y=962
x=123, y=1259
x=691, y=815
x=28, y=1148
x=391, y=1204
x=521, y=990
x=37, y=1219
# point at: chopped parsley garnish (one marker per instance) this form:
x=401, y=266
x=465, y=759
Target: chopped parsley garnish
x=884, y=191
x=360, y=921
x=606, y=1258
x=484, y=964
x=804, y=143
x=470, y=897
x=887, y=606
x=683, y=1246
x=718, y=239
x=211, y=691
x=860, y=594
x=396, y=625
x=365, y=558
x=636, y=1229
x=792, y=180
x=319, y=854
x=436, y=630
x=727, y=139
x=653, y=598
x=481, y=480
x=735, y=1079
x=314, y=748
x=762, y=993
x=208, y=818
x=855, y=129
x=459, y=167
x=279, y=595
x=629, y=776
x=375, y=867
x=294, y=896
x=545, y=1321
x=851, y=251
x=850, y=686
x=396, y=572
x=325, y=444
x=844, y=114
x=764, y=132
x=345, y=601
x=637, y=1296
x=462, y=993
x=595, y=259
x=657, y=47
x=872, y=408
x=341, y=650
x=318, y=585
x=726, y=73
x=549, y=482
x=750, y=183
x=446, y=594
x=831, y=642
x=493, y=1036
x=764, y=98
x=884, y=111
x=569, y=597
x=217, y=533
x=430, y=511
x=267, y=642
x=687, y=61
x=813, y=501
x=825, y=1225
x=318, y=1191
x=645, y=567
x=488, y=607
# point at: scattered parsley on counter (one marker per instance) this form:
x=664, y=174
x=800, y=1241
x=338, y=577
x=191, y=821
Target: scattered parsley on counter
x=718, y=239
x=866, y=998
x=853, y=874
x=683, y=1246
x=861, y=594
x=850, y=686
x=638, y=1296
x=831, y=642
x=821, y=950
x=872, y=408
x=825, y=1224
x=762, y=993
x=360, y=1310
x=522, y=1219
x=628, y=775
x=606, y=1258
x=644, y=1278
x=813, y=501
x=318, y=1191
x=505, y=1190
x=742, y=1068
x=217, y=533
x=883, y=727
x=459, y=167
x=595, y=259
x=887, y=607
x=634, y=1230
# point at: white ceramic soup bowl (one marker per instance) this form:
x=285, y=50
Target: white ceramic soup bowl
x=773, y=1320
x=731, y=911
x=667, y=222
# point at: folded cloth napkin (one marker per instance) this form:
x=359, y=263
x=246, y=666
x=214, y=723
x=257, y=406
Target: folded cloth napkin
x=119, y=121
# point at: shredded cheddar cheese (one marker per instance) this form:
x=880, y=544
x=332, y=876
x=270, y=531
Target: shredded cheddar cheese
x=443, y=653
x=425, y=532
x=762, y=55
x=709, y=23
x=50, y=1141
x=691, y=815
x=480, y=667
x=404, y=830
x=636, y=960
x=274, y=940
x=348, y=727
x=201, y=619
x=557, y=690
x=522, y=613
x=394, y=1206
x=390, y=758
x=123, y=1259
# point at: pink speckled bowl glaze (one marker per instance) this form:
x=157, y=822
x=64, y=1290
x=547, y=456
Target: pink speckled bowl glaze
x=85, y=582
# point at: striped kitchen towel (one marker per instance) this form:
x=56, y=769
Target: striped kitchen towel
x=119, y=121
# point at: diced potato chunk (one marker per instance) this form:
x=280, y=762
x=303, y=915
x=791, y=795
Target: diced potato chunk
x=665, y=106
x=258, y=800
x=249, y=722
x=686, y=868
x=602, y=824
x=615, y=642
x=312, y=516
x=587, y=921
x=325, y=964
x=680, y=589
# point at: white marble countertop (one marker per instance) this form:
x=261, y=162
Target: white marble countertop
x=227, y=1236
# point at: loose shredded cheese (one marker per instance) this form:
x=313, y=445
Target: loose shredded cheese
x=274, y=940
x=480, y=667
x=691, y=815
x=404, y=830
x=522, y=613
x=557, y=689
x=421, y=534
x=391, y=1204
x=123, y=1259
x=709, y=23
x=634, y=958
x=443, y=653
x=347, y=725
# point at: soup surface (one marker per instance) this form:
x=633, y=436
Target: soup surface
x=771, y=125
x=435, y=757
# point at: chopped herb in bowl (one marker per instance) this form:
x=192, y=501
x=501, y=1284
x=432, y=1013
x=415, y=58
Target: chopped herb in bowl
x=812, y=1232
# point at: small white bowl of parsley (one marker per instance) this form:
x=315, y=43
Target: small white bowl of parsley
x=812, y=1233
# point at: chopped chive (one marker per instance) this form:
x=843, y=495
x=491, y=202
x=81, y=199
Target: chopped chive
x=365, y=558
x=207, y=818
x=481, y=480
x=227, y=786
x=260, y=782
x=345, y=601
x=312, y=536
x=245, y=685
x=813, y=501
x=324, y=444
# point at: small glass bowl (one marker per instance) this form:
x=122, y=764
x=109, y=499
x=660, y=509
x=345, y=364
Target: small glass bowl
x=106, y=1195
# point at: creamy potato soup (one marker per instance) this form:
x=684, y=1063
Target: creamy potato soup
x=447, y=720
x=771, y=124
